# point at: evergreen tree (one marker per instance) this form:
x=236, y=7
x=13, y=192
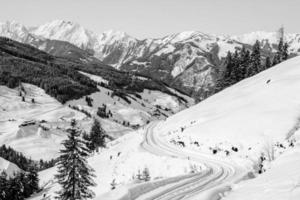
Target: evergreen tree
x=3, y=186
x=285, y=51
x=282, y=52
x=268, y=63
x=280, y=47
x=255, y=60
x=15, y=188
x=244, y=58
x=97, y=136
x=27, y=191
x=33, y=180
x=224, y=79
x=234, y=76
x=276, y=59
x=74, y=174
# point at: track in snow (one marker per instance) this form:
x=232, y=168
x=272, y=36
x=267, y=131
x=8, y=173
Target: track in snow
x=219, y=172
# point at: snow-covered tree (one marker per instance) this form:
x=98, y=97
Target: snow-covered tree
x=74, y=174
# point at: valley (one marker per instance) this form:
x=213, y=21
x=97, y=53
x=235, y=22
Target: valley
x=186, y=116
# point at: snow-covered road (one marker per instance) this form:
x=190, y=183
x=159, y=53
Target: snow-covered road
x=220, y=174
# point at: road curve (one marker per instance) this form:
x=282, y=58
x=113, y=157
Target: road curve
x=219, y=173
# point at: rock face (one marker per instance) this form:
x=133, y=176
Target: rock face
x=188, y=61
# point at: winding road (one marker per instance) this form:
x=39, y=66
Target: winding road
x=205, y=185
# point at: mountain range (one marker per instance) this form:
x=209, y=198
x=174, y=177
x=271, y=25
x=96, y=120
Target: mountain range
x=189, y=61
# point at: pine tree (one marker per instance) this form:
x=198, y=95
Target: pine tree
x=74, y=174
x=244, y=58
x=33, y=180
x=282, y=52
x=276, y=59
x=3, y=186
x=280, y=47
x=234, y=76
x=285, y=51
x=268, y=63
x=97, y=136
x=224, y=79
x=15, y=188
x=255, y=60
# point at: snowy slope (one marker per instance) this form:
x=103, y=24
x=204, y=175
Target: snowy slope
x=259, y=110
x=255, y=116
x=252, y=115
x=43, y=138
x=151, y=105
x=122, y=160
x=8, y=167
x=281, y=181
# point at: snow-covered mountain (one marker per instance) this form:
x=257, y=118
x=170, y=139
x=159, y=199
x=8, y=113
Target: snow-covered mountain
x=110, y=46
x=16, y=31
x=270, y=39
x=188, y=61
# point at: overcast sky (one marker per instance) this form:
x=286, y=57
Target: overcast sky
x=156, y=18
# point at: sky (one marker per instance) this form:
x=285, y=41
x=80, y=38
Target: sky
x=157, y=18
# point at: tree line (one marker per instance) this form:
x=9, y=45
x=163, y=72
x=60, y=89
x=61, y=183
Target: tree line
x=243, y=64
x=23, y=63
x=22, y=161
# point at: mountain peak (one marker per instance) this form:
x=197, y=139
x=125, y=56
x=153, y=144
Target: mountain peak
x=61, y=23
x=66, y=31
x=113, y=36
x=14, y=30
x=12, y=26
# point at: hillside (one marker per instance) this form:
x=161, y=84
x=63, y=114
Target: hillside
x=20, y=62
x=37, y=128
x=257, y=117
x=281, y=181
x=262, y=108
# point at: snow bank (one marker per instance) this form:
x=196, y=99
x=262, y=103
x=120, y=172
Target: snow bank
x=281, y=181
